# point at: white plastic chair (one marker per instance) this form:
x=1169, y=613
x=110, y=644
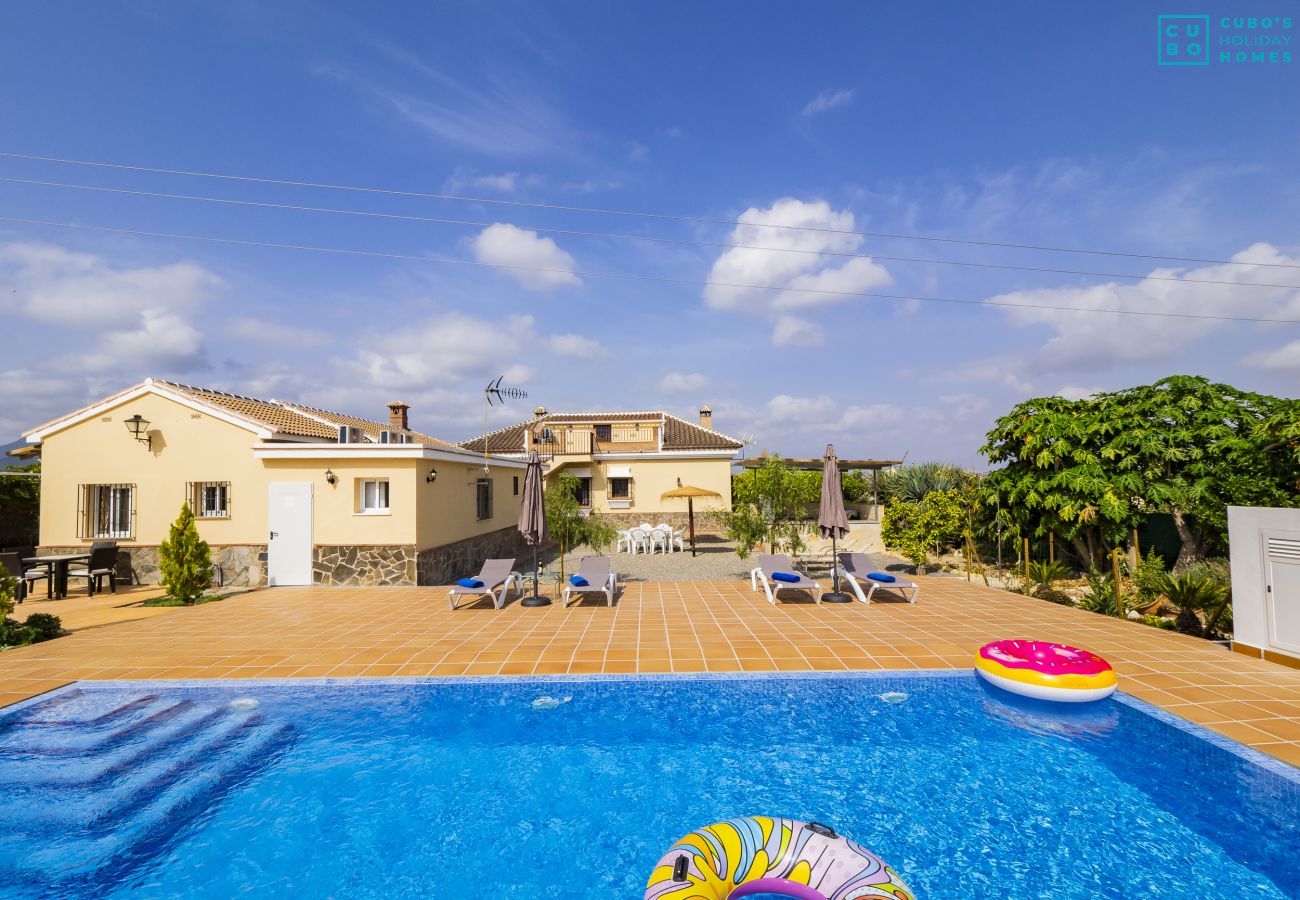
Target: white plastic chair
x=639, y=538
x=624, y=541
x=677, y=540
x=659, y=538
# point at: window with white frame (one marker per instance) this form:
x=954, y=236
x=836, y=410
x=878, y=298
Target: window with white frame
x=483, y=498
x=107, y=511
x=210, y=499
x=374, y=496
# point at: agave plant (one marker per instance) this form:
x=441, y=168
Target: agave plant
x=1101, y=593
x=911, y=483
x=1045, y=574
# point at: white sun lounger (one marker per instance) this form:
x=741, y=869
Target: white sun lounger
x=779, y=562
x=854, y=567
x=600, y=580
x=498, y=576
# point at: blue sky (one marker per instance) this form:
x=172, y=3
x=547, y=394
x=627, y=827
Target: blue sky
x=1009, y=122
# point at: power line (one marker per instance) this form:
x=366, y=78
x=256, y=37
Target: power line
x=626, y=276
x=624, y=236
x=628, y=213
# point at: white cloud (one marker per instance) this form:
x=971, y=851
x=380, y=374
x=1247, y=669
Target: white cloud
x=792, y=331
x=576, y=346
x=1085, y=338
x=786, y=408
x=823, y=415
x=545, y=265
x=637, y=152
x=81, y=290
x=855, y=276
x=260, y=331
x=497, y=182
x=445, y=348
x=828, y=100
x=683, y=382
x=780, y=268
x=1284, y=358
x=1074, y=392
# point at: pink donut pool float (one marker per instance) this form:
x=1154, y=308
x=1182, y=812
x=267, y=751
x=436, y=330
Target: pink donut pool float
x=1046, y=671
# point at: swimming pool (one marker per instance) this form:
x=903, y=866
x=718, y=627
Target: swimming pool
x=564, y=788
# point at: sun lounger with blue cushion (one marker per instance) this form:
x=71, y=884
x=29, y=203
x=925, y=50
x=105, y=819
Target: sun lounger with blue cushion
x=594, y=577
x=776, y=573
x=494, y=580
x=860, y=572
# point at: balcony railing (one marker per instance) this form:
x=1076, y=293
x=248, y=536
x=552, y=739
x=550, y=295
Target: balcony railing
x=580, y=442
x=622, y=434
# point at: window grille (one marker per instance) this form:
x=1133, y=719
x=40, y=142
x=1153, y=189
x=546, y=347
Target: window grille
x=209, y=499
x=483, y=497
x=106, y=511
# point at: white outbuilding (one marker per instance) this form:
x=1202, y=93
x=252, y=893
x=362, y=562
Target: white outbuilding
x=1265, y=554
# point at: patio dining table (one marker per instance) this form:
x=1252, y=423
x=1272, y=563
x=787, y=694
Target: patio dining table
x=58, y=562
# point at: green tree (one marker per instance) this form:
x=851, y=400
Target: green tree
x=1091, y=470
x=185, y=560
x=567, y=525
x=770, y=506
x=20, y=505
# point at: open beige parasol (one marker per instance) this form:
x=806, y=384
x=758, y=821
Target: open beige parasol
x=690, y=492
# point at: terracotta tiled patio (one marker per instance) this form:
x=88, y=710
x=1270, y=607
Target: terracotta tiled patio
x=693, y=626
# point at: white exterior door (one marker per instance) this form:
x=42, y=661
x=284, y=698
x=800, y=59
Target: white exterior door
x=1282, y=588
x=288, y=516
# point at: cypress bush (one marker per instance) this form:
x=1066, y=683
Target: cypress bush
x=185, y=560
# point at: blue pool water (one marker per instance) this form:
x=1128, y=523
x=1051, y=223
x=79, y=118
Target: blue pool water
x=485, y=788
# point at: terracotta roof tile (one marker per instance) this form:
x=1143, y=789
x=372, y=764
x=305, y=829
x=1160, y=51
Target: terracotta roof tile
x=296, y=419
x=274, y=415
x=369, y=428
x=678, y=433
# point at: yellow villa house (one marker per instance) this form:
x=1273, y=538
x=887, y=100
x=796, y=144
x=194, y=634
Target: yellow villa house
x=284, y=493
x=625, y=461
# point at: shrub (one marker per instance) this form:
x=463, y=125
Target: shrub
x=1194, y=593
x=855, y=486
x=916, y=529
x=185, y=560
x=38, y=627
x=1158, y=622
x=1052, y=595
x=1148, y=578
x=8, y=591
x=43, y=626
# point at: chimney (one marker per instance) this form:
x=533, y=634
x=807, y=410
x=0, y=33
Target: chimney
x=539, y=412
x=397, y=415
x=706, y=417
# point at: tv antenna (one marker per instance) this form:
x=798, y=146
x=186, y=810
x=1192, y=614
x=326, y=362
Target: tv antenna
x=496, y=395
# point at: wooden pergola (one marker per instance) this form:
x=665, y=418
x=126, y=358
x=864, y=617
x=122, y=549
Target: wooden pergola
x=845, y=465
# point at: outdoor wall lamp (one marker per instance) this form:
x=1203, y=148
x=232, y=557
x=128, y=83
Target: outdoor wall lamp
x=432, y=476
x=138, y=425
x=330, y=477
